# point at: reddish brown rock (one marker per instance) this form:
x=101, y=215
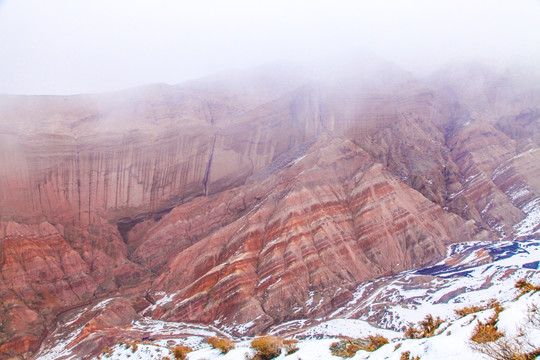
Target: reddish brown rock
x=326, y=222
x=253, y=197
x=44, y=275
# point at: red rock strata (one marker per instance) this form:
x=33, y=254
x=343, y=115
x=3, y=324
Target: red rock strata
x=252, y=197
x=323, y=224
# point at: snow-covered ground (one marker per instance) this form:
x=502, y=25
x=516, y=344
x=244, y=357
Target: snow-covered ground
x=472, y=274
x=531, y=224
x=453, y=341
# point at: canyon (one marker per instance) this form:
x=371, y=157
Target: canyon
x=257, y=197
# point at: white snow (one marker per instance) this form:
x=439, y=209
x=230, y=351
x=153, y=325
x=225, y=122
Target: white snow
x=167, y=298
x=346, y=328
x=515, y=192
x=309, y=301
x=501, y=169
x=472, y=282
x=294, y=162
x=143, y=352
x=531, y=224
x=452, y=341
x=61, y=349
x=487, y=206
x=161, y=327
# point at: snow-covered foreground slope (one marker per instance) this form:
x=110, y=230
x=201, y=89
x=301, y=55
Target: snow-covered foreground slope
x=472, y=274
x=452, y=342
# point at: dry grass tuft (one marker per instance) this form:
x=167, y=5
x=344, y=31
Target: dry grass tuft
x=225, y=345
x=347, y=348
x=375, y=342
x=498, y=347
x=266, y=347
x=290, y=346
x=406, y=356
x=180, y=352
x=524, y=286
x=488, y=332
x=130, y=344
x=469, y=310
x=425, y=328
x=485, y=332
x=107, y=352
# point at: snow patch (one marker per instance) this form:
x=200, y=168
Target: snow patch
x=485, y=209
x=531, y=224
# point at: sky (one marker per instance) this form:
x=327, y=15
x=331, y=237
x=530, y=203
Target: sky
x=68, y=47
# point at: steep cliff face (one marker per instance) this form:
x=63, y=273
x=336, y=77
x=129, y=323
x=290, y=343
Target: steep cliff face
x=142, y=151
x=250, y=197
x=331, y=219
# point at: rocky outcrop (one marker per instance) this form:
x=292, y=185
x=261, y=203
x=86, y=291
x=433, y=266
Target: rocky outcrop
x=47, y=270
x=330, y=220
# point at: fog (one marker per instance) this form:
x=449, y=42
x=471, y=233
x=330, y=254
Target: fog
x=67, y=47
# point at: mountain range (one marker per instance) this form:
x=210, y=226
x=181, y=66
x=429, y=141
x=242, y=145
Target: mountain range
x=249, y=200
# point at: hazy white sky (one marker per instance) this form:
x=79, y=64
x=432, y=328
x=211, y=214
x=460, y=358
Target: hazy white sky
x=72, y=46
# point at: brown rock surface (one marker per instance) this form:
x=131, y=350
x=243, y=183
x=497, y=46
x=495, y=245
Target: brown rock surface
x=328, y=221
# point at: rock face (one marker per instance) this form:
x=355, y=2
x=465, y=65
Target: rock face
x=258, y=198
x=324, y=223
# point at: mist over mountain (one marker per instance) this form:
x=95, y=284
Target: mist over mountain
x=64, y=48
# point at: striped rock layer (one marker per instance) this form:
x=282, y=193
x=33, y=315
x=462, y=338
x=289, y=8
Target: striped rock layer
x=254, y=198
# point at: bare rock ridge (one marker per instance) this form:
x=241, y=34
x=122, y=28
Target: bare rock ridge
x=254, y=198
x=315, y=229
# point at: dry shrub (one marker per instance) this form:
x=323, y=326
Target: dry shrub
x=130, y=344
x=290, y=346
x=516, y=348
x=180, y=352
x=406, y=356
x=485, y=332
x=225, y=345
x=429, y=325
x=165, y=358
x=506, y=349
x=488, y=332
x=520, y=347
x=533, y=316
x=495, y=305
x=412, y=332
x=266, y=347
x=469, y=310
x=425, y=328
x=107, y=351
x=375, y=342
x=531, y=355
x=348, y=347
x=524, y=286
